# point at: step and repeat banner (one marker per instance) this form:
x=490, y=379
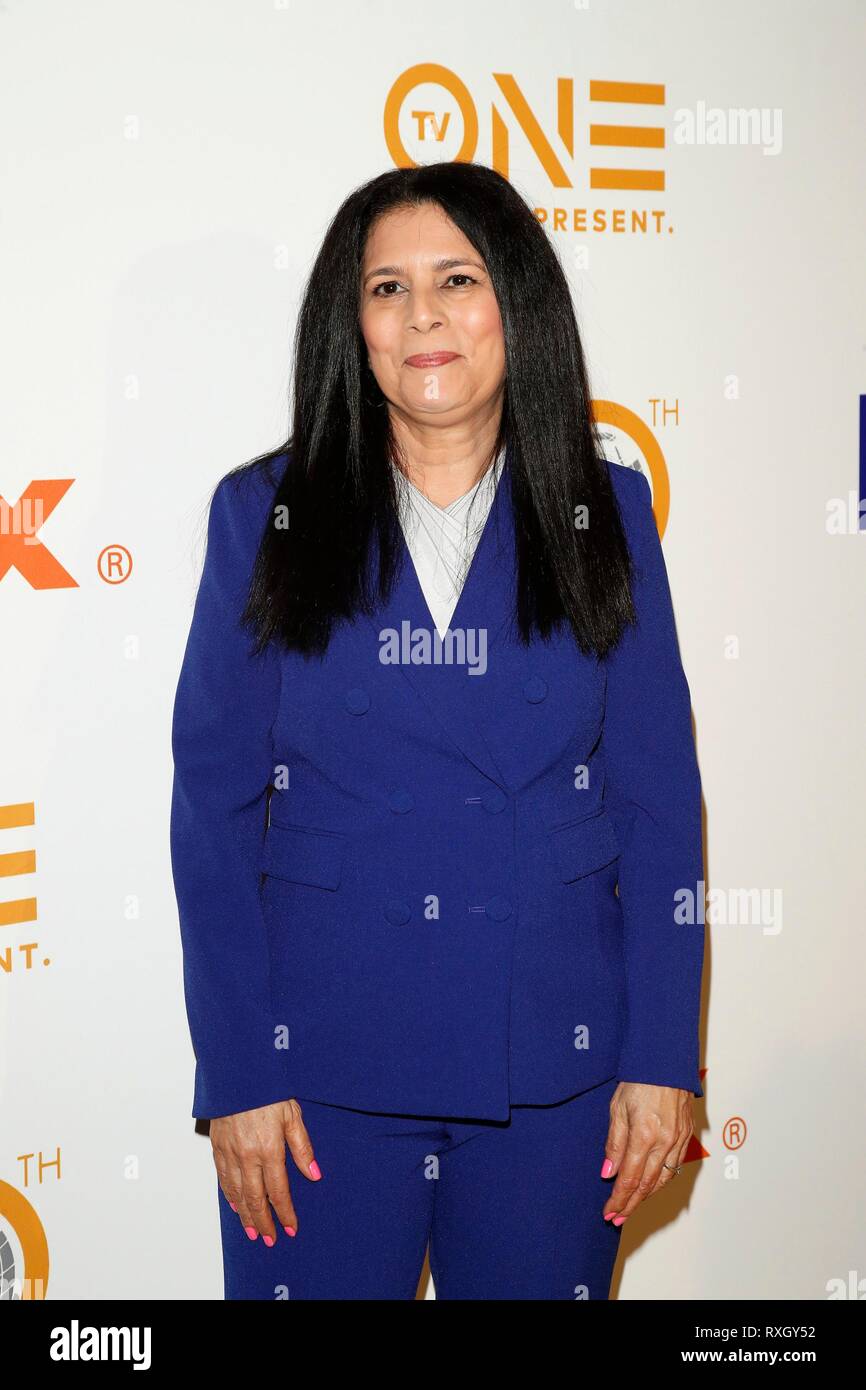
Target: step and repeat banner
x=168, y=172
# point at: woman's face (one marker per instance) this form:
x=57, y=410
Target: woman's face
x=429, y=317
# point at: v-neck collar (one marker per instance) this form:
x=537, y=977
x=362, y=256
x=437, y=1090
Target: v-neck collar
x=485, y=606
x=478, y=572
x=445, y=538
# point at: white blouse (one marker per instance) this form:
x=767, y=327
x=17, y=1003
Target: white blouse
x=442, y=540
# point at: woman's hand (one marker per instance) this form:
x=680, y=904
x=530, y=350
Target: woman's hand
x=649, y=1127
x=249, y=1151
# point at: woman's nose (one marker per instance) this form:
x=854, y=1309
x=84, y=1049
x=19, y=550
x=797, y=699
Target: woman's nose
x=422, y=310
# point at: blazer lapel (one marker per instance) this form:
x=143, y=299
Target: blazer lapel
x=484, y=607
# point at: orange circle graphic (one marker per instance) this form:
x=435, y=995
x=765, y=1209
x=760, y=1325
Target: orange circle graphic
x=15, y=1208
x=413, y=77
x=621, y=418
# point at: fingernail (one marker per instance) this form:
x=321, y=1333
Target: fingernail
x=251, y=1232
x=314, y=1170
x=232, y=1205
x=606, y=1168
x=269, y=1240
x=608, y=1216
x=618, y=1220
x=290, y=1230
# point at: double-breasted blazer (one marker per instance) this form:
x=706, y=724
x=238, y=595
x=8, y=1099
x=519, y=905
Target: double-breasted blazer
x=427, y=879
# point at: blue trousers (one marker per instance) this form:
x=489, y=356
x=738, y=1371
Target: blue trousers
x=510, y=1209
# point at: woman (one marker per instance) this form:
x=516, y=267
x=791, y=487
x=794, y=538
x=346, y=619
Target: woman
x=427, y=836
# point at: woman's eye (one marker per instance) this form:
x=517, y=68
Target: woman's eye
x=383, y=290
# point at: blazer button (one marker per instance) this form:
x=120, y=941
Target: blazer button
x=397, y=912
x=494, y=799
x=401, y=801
x=356, y=700
x=535, y=689
x=499, y=909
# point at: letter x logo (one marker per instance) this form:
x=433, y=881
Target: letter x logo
x=19, y=544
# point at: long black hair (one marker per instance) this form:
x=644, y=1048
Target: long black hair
x=337, y=482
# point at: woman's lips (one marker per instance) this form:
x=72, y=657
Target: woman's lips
x=431, y=359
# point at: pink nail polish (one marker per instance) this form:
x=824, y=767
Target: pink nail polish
x=290, y=1230
x=609, y=1216
x=232, y=1205
x=251, y=1232
x=606, y=1168
x=314, y=1170
x=618, y=1220
x=269, y=1240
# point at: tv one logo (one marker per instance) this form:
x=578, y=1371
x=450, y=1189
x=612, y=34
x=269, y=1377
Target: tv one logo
x=425, y=120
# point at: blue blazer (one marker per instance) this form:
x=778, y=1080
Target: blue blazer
x=433, y=886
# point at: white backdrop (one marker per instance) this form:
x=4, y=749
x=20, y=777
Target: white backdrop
x=168, y=172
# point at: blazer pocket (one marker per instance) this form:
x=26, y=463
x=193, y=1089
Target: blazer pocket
x=302, y=854
x=582, y=846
